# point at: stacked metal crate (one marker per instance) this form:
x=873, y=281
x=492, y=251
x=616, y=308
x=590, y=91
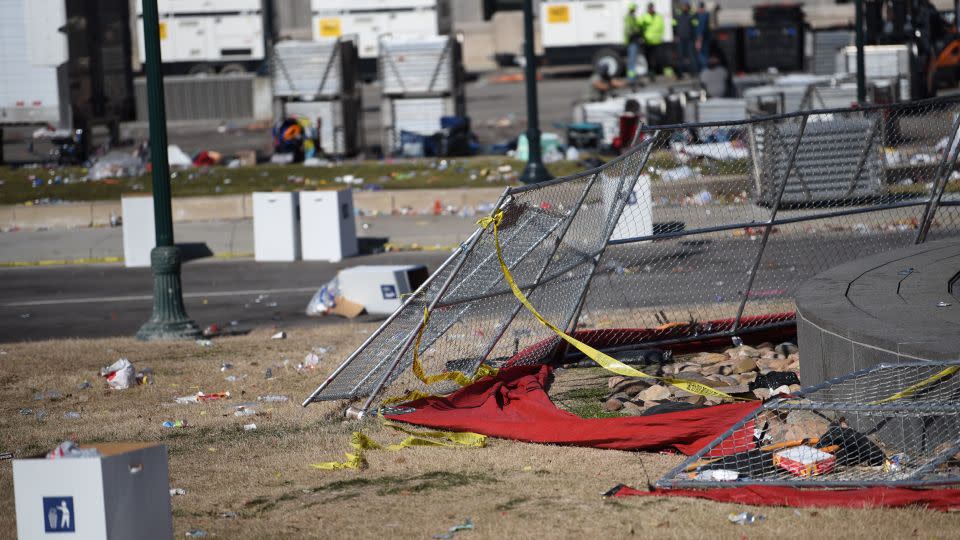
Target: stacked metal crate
x=421, y=82
x=317, y=80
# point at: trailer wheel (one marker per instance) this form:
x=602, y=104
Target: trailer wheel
x=609, y=61
x=201, y=69
x=233, y=69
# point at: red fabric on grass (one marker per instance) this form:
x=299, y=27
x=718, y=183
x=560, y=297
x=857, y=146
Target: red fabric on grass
x=874, y=497
x=514, y=405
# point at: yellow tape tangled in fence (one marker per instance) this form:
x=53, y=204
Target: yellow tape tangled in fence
x=604, y=360
x=913, y=389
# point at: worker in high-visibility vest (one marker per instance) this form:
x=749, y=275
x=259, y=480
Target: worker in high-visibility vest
x=654, y=28
x=633, y=36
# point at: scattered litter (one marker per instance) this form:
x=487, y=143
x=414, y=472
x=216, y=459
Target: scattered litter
x=177, y=491
x=311, y=361
x=145, y=376
x=272, y=398
x=745, y=518
x=943, y=304
x=119, y=375
x=173, y=424
x=200, y=397
x=718, y=475
x=116, y=164
x=204, y=343
x=896, y=462
x=324, y=299
x=677, y=173
x=84, y=385
x=25, y=412
x=70, y=449
x=228, y=515
x=249, y=427
x=40, y=415
x=70, y=415
x=279, y=335
x=465, y=526
x=177, y=158
x=244, y=410
x=52, y=395
x=226, y=366
x=268, y=374
x=6, y=455
x=196, y=533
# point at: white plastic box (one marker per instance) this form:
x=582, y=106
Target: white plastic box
x=122, y=494
x=276, y=227
x=327, y=226
x=139, y=233
x=380, y=288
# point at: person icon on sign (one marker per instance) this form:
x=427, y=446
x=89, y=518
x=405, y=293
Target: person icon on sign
x=64, y=515
x=52, y=518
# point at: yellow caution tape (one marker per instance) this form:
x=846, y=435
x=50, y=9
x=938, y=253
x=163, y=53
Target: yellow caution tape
x=456, y=376
x=604, y=360
x=460, y=378
x=362, y=443
x=910, y=390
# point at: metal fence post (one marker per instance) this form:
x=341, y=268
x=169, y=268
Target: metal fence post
x=410, y=339
x=769, y=225
x=940, y=183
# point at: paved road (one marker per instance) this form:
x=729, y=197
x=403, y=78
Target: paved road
x=109, y=300
x=92, y=301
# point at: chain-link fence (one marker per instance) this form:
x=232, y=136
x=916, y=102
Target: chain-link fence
x=887, y=425
x=699, y=230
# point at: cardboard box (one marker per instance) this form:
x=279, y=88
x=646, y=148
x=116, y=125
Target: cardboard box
x=122, y=494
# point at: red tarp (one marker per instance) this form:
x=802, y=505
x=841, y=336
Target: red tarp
x=874, y=497
x=515, y=405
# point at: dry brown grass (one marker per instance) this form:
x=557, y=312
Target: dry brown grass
x=509, y=489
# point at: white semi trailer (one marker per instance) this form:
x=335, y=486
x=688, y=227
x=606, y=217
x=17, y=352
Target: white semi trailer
x=368, y=20
x=64, y=64
x=591, y=31
x=207, y=36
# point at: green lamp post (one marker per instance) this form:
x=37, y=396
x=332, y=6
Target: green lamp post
x=169, y=320
x=535, y=171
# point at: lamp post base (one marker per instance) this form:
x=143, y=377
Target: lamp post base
x=535, y=172
x=169, y=320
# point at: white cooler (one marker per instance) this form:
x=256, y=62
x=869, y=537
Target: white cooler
x=276, y=227
x=122, y=494
x=328, y=231
x=380, y=288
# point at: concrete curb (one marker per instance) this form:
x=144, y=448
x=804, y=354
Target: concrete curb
x=231, y=207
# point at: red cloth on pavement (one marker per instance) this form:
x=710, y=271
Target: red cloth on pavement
x=514, y=405
x=874, y=497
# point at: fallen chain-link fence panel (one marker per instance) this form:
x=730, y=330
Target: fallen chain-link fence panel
x=892, y=424
x=710, y=227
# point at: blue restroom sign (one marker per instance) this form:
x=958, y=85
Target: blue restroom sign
x=58, y=515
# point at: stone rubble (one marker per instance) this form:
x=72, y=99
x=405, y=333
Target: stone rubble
x=731, y=372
